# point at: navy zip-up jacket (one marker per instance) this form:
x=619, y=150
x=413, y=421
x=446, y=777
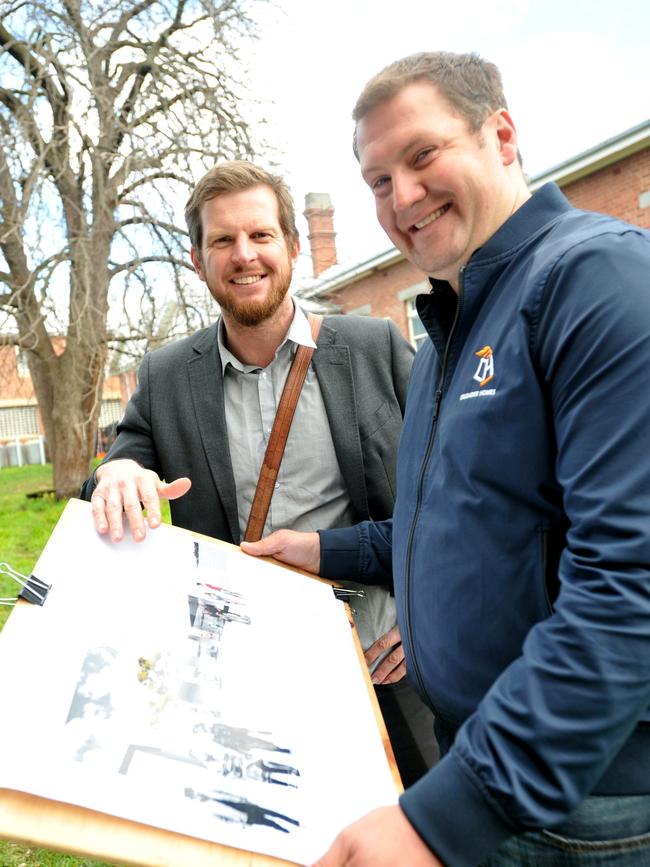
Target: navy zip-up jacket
x=520, y=542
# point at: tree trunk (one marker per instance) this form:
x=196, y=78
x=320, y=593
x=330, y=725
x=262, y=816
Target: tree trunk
x=71, y=382
x=73, y=449
x=71, y=428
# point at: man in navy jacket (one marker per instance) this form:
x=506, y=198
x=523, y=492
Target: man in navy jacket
x=520, y=541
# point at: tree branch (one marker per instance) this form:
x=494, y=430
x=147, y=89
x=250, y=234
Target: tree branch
x=135, y=263
x=150, y=221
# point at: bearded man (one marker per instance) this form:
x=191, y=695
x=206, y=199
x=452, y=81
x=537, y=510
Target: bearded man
x=196, y=430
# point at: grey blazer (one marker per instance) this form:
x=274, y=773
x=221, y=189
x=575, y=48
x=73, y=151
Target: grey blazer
x=175, y=422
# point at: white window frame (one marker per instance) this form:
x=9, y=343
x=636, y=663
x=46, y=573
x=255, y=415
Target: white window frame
x=22, y=364
x=417, y=332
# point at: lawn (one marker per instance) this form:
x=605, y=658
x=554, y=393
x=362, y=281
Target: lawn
x=25, y=525
x=25, y=522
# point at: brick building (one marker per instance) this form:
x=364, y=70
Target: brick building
x=21, y=426
x=613, y=178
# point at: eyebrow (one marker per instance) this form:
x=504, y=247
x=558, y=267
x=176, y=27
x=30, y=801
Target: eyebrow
x=218, y=233
x=417, y=141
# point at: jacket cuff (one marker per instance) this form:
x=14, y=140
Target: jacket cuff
x=455, y=815
x=88, y=486
x=340, y=553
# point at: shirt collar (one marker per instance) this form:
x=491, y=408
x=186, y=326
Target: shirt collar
x=298, y=333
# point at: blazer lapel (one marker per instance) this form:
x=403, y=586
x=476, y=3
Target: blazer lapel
x=206, y=389
x=331, y=362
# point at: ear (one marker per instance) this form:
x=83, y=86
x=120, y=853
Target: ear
x=295, y=252
x=506, y=136
x=196, y=261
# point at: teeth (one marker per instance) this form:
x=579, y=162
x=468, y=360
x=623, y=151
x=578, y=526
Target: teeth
x=244, y=281
x=432, y=217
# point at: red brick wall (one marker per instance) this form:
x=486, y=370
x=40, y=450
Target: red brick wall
x=380, y=290
x=615, y=189
x=13, y=386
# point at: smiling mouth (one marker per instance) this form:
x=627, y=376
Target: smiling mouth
x=430, y=219
x=247, y=279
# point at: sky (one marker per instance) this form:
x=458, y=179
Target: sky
x=576, y=72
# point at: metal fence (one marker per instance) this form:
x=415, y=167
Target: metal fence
x=22, y=450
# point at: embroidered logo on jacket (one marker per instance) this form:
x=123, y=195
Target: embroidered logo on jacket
x=485, y=370
x=484, y=374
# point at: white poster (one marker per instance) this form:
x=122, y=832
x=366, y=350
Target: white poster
x=180, y=683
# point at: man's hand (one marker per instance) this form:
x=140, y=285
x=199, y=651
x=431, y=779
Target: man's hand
x=382, y=838
x=121, y=486
x=289, y=546
x=393, y=666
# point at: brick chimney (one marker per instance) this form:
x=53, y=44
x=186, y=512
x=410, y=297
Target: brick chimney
x=319, y=213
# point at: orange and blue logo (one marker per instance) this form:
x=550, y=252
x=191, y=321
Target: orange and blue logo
x=485, y=370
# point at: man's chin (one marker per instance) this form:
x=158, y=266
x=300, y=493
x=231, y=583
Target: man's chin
x=252, y=314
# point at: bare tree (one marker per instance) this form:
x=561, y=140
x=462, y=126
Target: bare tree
x=108, y=108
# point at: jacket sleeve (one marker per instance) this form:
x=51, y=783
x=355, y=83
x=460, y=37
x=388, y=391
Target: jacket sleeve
x=134, y=436
x=361, y=553
x=553, y=722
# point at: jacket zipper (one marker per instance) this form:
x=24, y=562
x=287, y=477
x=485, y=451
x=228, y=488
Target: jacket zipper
x=418, y=505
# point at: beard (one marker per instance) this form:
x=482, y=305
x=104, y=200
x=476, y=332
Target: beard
x=249, y=313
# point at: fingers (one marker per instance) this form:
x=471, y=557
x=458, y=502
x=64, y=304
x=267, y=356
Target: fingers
x=131, y=498
x=174, y=490
x=385, y=642
x=288, y=546
x=123, y=489
x=98, y=506
x=393, y=666
x=382, y=838
x=151, y=491
x=336, y=855
x=390, y=671
x=267, y=547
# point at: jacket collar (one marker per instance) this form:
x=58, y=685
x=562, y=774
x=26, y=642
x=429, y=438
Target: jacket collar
x=543, y=207
x=437, y=308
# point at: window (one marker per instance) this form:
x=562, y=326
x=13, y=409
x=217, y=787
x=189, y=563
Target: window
x=110, y=412
x=417, y=331
x=18, y=421
x=22, y=365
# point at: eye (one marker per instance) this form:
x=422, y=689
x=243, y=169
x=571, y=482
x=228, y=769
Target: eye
x=421, y=156
x=261, y=235
x=221, y=241
x=379, y=183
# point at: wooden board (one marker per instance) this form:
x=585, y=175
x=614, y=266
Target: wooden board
x=50, y=824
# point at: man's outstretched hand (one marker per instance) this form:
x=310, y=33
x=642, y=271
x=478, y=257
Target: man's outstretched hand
x=289, y=546
x=122, y=485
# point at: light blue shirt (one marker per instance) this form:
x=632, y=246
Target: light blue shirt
x=310, y=492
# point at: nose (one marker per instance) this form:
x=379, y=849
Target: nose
x=243, y=251
x=408, y=190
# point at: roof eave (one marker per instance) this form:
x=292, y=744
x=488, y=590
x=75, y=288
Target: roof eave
x=357, y=272
x=605, y=154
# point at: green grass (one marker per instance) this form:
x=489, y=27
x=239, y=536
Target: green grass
x=25, y=526
x=13, y=855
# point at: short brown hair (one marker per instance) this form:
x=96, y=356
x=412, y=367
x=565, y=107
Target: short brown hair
x=230, y=177
x=472, y=86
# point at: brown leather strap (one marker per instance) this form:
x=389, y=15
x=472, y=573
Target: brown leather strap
x=279, y=433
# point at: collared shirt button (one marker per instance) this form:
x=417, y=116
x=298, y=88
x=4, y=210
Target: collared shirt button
x=277, y=485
